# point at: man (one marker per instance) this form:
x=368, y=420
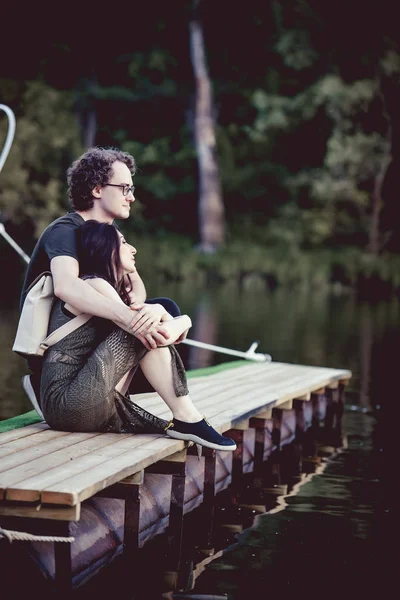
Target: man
x=100, y=187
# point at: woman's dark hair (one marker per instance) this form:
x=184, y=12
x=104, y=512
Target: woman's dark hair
x=98, y=251
x=94, y=167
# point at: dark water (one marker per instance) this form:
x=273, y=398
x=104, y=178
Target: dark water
x=330, y=541
x=331, y=538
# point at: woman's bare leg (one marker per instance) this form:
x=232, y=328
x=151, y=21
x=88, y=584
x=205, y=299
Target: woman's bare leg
x=156, y=367
x=124, y=383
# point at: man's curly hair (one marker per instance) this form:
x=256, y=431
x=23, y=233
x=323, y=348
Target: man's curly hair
x=93, y=168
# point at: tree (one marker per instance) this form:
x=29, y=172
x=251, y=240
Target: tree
x=32, y=184
x=336, y=195
x=210, y=208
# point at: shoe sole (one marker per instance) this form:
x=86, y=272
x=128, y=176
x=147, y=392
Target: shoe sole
x=189, y=437
x=26, y=384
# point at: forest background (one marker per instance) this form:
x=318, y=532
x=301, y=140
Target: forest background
x=305, y=112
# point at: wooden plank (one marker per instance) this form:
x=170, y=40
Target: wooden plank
x=212, y=403
x=15, y=434
x=210, y=386
x=242, y=425
x=246, y=406
x=265, y=414
x=180, y=456
x=135, y=479
x=24, y=443
x=333, y=385
x=276, y=394
x=286, y=405
x=319, y=392
x=41, y=511
x=284, y=370
x=292, y=387
x=86, y=484
x=305, y=397
x=25, y=484
x=305, y=378
x=44, y=449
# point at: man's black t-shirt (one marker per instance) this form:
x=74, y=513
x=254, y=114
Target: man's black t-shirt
x=58, y=239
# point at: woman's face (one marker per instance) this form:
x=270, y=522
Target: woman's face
x=127, y=256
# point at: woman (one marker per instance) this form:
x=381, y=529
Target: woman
x=86, y=376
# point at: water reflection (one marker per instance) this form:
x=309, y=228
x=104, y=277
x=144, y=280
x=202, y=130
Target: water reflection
x=205, y=322
x=330, y=534
x=295, y=326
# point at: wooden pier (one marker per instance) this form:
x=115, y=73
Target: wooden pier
x=114, y=492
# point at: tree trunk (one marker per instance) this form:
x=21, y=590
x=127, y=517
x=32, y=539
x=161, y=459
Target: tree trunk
x=377, y=204
x=374, y=245
x=90, y=128
x=210, y=207
x=86, y=111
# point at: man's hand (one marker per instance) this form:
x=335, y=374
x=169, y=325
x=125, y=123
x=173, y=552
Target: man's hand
x=148, y=315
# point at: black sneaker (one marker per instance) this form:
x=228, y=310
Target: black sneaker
x=200, y=433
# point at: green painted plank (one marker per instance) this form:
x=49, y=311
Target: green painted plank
x=217, y=368
x=29, y=418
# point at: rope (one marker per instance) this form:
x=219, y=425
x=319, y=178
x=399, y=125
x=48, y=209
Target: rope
x=21, y=536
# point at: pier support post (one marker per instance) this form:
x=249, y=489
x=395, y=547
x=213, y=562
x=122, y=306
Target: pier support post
x=262, y=424
x=298, y=406
x=132, y=515
x=340, y=408
x=175, y=528
x=62, y=559
x=332, y=399
x=277, y=418
x=128, y=489
x=310, y=447
x=208, y=505
x=174, y=465
x=209, y=496
x=315, y=401
x=237, y=434
x=273, y=487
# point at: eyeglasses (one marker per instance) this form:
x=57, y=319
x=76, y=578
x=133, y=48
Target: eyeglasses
x=125, y=187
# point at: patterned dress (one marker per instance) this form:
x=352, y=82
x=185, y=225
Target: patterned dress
x=81, y=371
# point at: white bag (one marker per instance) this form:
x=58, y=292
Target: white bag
x=31, y=338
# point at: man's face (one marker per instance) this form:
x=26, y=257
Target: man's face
x=112, y=203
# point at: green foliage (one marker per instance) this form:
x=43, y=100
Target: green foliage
x=295, y=48
x=352, y=160
x=302, y=126
x=250, y=263
x=32, y=185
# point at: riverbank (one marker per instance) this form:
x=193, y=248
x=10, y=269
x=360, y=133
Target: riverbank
x=256, y=266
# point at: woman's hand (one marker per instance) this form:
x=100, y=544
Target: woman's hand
x=148, y=315
x=155, y=337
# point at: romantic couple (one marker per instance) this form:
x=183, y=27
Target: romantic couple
x=82, y=382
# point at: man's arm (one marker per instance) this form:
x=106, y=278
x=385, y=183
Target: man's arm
x=76, y=292
x=138, y=293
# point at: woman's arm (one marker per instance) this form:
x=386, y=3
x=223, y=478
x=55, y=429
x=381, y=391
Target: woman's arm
x=151, y=341
x=103, y=287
